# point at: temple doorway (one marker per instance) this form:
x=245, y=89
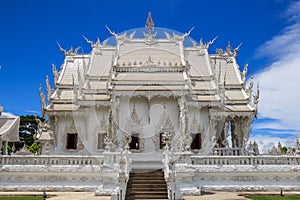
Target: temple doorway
x=197, y=141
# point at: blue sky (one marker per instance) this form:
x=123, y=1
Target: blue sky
x=269, y=30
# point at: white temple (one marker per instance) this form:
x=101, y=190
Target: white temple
x=146, y=99
x=143, y=84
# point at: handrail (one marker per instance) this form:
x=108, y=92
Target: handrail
x=196, y=159
x=124, y=170
x=51, y=160
x=169, y=173
x=245, y=160
x=228, y=151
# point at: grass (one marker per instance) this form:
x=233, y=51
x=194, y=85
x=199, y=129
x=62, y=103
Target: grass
x=273, y=197
x=21, y=198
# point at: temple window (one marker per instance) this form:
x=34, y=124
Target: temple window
x=196, y=143
x=134, y=144
x=101, y=144
x=161, y=144
x=71, y=141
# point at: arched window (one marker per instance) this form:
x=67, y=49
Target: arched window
x=101, y=144
x=134, y=144
x=161, y=143
x=197, y=142
x=71, y=142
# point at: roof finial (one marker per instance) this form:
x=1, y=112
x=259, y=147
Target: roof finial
x=149, y=22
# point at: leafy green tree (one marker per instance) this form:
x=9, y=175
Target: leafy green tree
x=34, y=148
x=284, y=149
x=28, y=127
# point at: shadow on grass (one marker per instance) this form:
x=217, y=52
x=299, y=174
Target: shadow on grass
x=272, y=197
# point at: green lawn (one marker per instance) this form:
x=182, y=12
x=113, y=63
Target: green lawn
x=273, y=197
x=22, y=198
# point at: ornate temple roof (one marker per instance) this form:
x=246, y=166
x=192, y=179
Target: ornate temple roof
x=9, y=127
x=142, y=60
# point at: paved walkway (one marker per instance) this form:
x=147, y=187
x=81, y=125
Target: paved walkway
x=91, y=196
x=60, y=195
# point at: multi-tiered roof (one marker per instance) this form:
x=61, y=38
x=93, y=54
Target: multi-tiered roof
x=149, y=62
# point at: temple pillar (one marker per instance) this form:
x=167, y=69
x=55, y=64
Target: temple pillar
x=245, y=127
x=216, y=125
x=1, y=144
x=185, y=140
x=240, y=131
x=113, y=123
x=5, y=147
x=222, y=140
x=236, y=133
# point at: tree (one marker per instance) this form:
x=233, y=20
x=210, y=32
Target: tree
x=28, y=127
x=284, y=149
x=34, y=148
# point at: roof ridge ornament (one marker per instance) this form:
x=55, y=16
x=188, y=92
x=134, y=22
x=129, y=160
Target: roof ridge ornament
x=93, y=44
x=182, y=37
x=70, y=52
x=48, y=86
x=229, y=49
x=244, y=74
x=211, y=42
x=149, y=22
x=256, y=100
x=42, y=100
x=120, y=38
x=235, y=50
x=249, y=90
x=55, y=74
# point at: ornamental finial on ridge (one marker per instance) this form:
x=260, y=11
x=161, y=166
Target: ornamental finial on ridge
x=149, y=22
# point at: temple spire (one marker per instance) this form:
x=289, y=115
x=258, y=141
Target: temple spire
x=149, y=22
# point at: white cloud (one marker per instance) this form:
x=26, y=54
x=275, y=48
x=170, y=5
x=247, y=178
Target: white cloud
x=279, y=83
x=293, y=11
x=7, y=114
x=279, y=86
x=280, y=94
x=265, y=143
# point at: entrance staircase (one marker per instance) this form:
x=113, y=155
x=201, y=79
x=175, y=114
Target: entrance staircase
x=146, y=185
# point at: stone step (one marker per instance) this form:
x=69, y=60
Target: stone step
x=148, y=178
x=145, y=170
x=136, y=197
x=140, y=198
x=156, y=199
x=150, y=196
x=143, y=185
x=154, y=173
x=150, y=189
x=149, y=192
x=146, y=175
x=147, y=184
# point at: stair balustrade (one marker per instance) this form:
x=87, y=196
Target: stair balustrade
x=51, y=160
x=169, y=173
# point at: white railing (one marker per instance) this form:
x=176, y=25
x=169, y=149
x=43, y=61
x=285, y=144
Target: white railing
x=169, y=173
x=51, y=160
x=111, y=158
x=114, y=158
x=228, y=151
x=245, y=160
x=125, y=168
